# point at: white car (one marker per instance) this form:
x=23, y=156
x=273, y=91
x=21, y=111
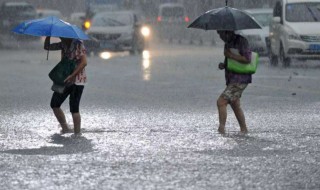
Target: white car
x=116, y=31
x=295, y=31
x=257, y=37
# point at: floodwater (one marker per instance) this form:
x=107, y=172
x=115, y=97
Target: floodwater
x=152, y=125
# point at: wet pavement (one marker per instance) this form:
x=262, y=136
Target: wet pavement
x=150, y=123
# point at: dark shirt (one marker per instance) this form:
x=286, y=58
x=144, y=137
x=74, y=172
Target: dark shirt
x=241, y=44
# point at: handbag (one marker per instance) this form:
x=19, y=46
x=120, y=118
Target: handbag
x=61, y=71
x=243, y=68
x=60, y=88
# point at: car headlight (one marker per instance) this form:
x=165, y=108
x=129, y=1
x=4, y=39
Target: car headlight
x=145, y=31
x=87, y=24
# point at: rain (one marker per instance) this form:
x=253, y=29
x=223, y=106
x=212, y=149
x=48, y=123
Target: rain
x=149, y=115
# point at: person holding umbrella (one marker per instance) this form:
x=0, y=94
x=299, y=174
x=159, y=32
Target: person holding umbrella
x=236, y=48
x=72, y=49
x=225, y=21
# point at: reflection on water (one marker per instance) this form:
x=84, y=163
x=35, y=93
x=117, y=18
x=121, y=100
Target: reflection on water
x=146, y=69
x=108, y=55
x=146, y=62
x=146, y=54
x=146, y=65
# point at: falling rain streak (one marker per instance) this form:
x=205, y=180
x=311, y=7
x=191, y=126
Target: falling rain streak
x=149, y=112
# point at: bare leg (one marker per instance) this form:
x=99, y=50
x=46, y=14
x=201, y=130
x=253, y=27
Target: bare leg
x=222, y=108
x=61, y=118
x=239, y=115
x=76, y=122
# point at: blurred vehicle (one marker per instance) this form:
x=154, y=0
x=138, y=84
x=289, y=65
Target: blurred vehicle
x=171, y=21
x=257, y=37
x=295, y=31
x=96, y=6
x=12, y=14
x=117, y=31
x=77, y=18
x=49, y=12
x=172, y=13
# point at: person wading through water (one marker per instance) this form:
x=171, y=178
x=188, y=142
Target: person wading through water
x=236, y=83
x=72, y=49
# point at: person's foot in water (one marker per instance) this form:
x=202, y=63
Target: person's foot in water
x=221, y=130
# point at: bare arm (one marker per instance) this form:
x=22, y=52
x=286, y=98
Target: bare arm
x=48, y=46
x=239, y=58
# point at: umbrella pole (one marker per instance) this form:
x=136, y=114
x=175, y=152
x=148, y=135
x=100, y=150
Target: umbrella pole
x=226, y=2
x=48, y=38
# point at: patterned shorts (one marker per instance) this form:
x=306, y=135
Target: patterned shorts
x=233, y=91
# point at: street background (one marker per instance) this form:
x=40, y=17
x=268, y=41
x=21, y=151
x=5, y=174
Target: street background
x=176, y=33
x=151, y=123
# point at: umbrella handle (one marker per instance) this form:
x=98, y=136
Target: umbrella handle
x=48, y=49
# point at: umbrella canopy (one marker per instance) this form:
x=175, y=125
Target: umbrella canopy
x=50, y=26
x=226, y=18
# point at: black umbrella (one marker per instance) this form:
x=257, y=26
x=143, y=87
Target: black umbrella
x=225, y=18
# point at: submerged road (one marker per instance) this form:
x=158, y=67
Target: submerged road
x=150, y=123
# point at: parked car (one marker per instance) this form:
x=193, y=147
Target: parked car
x=257, y=37
x=116, y=31
x=12, y=14
x=295, y=31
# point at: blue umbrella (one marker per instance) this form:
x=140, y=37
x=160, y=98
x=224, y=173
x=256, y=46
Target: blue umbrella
x=50, y=26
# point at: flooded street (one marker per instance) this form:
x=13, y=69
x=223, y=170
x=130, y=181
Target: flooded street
x=150, y=122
